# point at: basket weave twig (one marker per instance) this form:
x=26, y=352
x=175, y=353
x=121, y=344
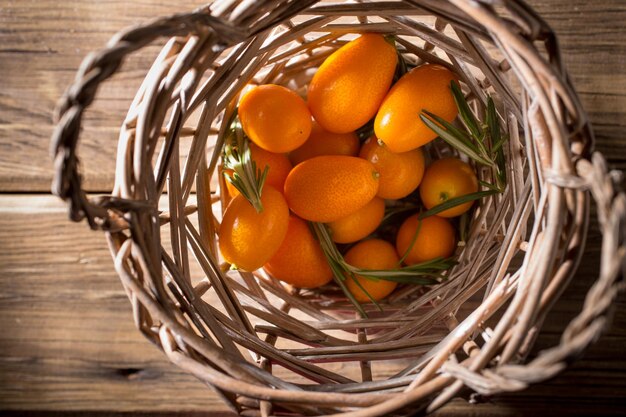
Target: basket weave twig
x=267, y=348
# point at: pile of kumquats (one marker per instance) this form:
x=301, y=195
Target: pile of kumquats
x=341, y=185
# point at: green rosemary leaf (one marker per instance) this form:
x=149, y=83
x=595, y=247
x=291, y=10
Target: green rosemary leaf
x=498, y=140
x=425, y=273
x=435, y=263
x=246, y=177
x=339, y=279
x=262, y=177
x=452, y=129
x=235, y=181
x=323, y=235
x=493, y=123
x=413, y=240
x=466, y=114
x=358, y=284
x=472, y=124
x=392, y=211
x=501, y=175
x=412, y=279
x=501, y=161
x=490, y=186
x=453, y=202
x=335, y=261
x=454, y=141
x=405, y=274
x=497, y=146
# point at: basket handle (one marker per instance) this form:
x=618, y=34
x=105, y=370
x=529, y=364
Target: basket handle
x=606, y=189
x=594, y=318
x=97, y=67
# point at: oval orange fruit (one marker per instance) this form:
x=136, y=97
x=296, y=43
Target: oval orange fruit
x=435, y=238
x=248, y=239
x=445, y=179
x=278, y=164
x=322, y=142
x=359, y=224
x=374, y=254
x=275, y=118
x=327, y=188
x=349, y=86
x=400, y=173
x=299, y=260
x=398, y=122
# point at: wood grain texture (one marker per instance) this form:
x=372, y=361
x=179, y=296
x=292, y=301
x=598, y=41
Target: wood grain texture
x=48, y=353
x=43, y=42
x=591, y=36
x=68, y=342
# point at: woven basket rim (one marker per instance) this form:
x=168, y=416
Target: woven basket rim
x=553, y=188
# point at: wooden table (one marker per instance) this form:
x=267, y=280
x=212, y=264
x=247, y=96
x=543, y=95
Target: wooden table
x=68, y=345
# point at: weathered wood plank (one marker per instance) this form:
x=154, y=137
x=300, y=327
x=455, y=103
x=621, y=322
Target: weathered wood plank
x=591, y=36
x=69, y=343
x=68, y=339
x=42, y=43
x=39, y=56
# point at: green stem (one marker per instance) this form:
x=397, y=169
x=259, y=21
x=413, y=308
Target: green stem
x=246, y=177
x=334, y=259
x=482, y=143
x=425, y=273
x=413, y=240
x=453, y=202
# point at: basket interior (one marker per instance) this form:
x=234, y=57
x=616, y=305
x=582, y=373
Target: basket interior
x=314, y=338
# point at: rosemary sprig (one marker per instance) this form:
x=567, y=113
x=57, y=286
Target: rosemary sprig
x=454, y=137
x=482, y=142
x=246, y=177
x=497, y=140
x=425, y=273
x=334, y=259
x=390, y=212
x=457, y=201
x=412, y=243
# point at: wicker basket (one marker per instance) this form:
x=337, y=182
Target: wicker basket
x=269, y=349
